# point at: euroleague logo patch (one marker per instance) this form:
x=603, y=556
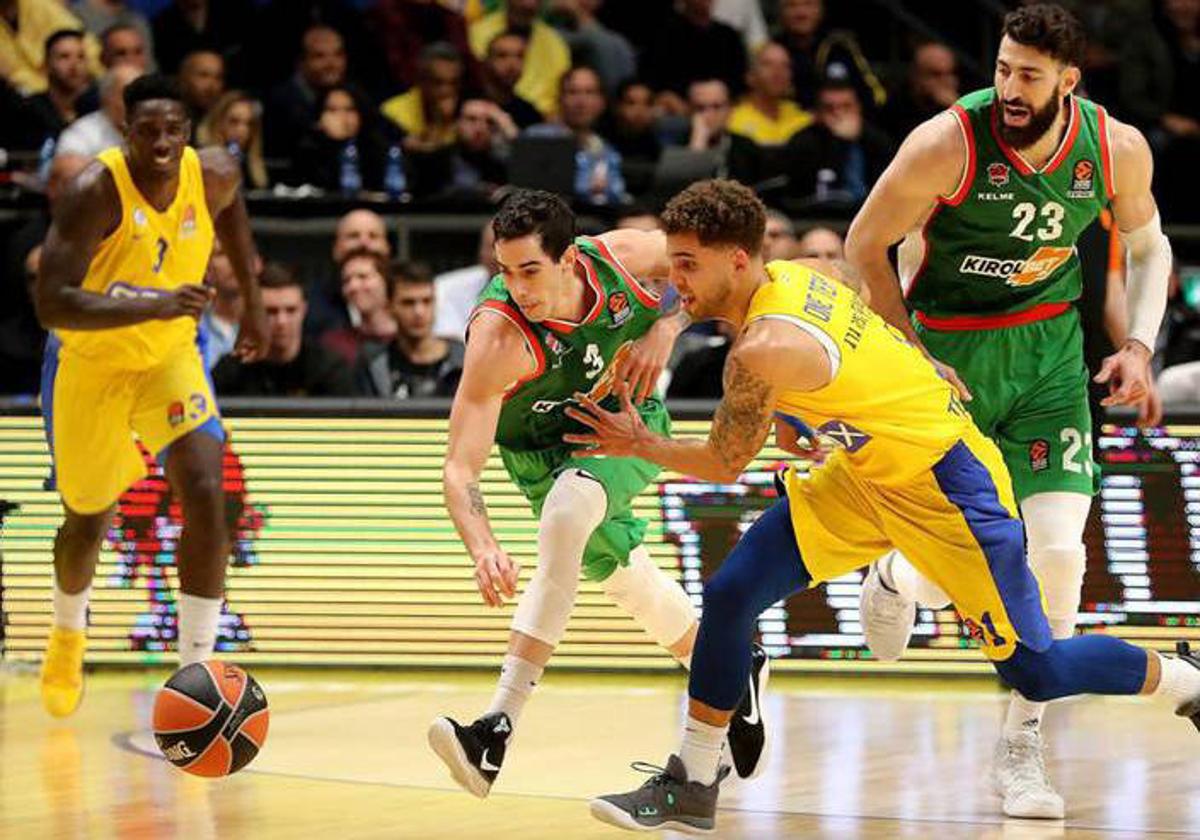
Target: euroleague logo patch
x=619, y=309
x=997, y=174
x=175, y=413
x=1039, y=455
x=1082, y=180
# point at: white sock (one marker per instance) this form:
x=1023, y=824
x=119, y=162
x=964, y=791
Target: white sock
x=701, y=750
x=1179, y=683
x=198, y=621
x=70, y=611
x=1023, y=715
x=517, y=680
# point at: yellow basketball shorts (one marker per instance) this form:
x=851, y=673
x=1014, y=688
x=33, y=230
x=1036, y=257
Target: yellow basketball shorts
x=957, y=524
x=95, y=415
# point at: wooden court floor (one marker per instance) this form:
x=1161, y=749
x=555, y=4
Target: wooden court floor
x=346, y=758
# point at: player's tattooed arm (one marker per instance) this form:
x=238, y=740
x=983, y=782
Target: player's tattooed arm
x=478, y=505
x=87, y=211
x=744, y=415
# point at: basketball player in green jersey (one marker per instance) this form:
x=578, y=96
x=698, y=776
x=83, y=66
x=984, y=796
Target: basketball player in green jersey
x=989, y=198
x=566, y=316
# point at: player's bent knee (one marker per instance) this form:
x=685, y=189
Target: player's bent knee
x=731, y=598
x=651, y=597
x=1035, y=674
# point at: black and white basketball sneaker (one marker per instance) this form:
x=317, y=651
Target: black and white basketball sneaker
x=747, y=729
x=1191, y=709
x=472, y=753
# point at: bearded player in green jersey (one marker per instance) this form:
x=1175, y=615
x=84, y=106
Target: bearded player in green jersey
x=566, y=316
x=989, y=199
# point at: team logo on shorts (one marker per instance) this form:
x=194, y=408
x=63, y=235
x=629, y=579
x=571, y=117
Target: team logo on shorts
x=997, y=174
x=618, y=309
x=175, y=413
x=1039, y=455
x=1081, y=180
x=187, y=227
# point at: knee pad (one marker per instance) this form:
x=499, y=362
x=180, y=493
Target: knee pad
x=575, y=505
x=1054, y=524
x=648, y=594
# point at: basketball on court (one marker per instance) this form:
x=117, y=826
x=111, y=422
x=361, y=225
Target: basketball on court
x=210, y=719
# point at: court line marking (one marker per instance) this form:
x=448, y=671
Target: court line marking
x=124, y=741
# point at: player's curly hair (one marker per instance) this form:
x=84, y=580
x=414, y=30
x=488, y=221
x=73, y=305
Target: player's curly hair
x=1050, y=29
x=528, y=212
x=718, y=212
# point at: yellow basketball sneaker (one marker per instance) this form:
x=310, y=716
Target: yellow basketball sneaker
x=62, y=671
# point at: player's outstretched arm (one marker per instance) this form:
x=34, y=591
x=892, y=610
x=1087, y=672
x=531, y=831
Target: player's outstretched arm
x=88, y=211
x=1148, y=261
x=222, y=186
x=496, y=358
x=929, y=166
x=771, y=356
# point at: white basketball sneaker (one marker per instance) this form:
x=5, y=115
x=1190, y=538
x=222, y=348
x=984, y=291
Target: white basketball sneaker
x=887, y=616
x=1021, y=778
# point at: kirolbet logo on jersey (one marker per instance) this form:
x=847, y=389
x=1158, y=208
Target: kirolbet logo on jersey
x=618, y=309
x=1018, y=272
x=997, y=174
x=1082, y=185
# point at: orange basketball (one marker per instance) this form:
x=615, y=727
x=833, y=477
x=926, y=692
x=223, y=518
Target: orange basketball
x=210, y=718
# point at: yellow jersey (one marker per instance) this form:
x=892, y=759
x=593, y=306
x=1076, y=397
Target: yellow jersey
x=150, y=254
x=886, y=406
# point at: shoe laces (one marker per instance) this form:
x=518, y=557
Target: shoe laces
x=1026, y=758
x=888, y=606
x=658, y=775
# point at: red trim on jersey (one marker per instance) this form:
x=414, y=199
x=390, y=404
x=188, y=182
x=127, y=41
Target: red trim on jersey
x=646, y=295
x=963, y=323
x=969, y=177
x=1069, y=142
x=1106, y=161
x=518, y=320
x=937, y=208
x=1015, y=159
x=593, y=280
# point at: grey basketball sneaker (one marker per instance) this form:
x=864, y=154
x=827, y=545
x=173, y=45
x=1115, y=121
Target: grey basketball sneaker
x=666, y=801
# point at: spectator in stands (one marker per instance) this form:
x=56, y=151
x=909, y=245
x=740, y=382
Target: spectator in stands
x=235, y=122
x=819, y=53
x=406, y=27
x=932, y=87
x=101, y=129
x=503, y=66
x=639, y=22
x=547, y=56
x=779, y=237
x=360, y=230
x=838, y=158
x=746, y=16
x=293, y=106
x=105, y=18
x=1177, y=134
x=24, y=27
x=201, y=82
x=366, y=278
x=219, y=324
x=736, y=156
x=186, y=26
x=821, y=243
x=598, y=178
x=124, y=43
x=766, y=115
x=455, y=291
x=475, y=164
x=67, y=93
x=693, y=46
x=594, y=44
x=630, y=125
x=289, y=23
x=346, y=150
x=295, y=366
x=425, y=114
x=417, y=363
x=21, y=336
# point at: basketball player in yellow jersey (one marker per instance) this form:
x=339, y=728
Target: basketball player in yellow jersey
x=120, y=287
x=911, y=471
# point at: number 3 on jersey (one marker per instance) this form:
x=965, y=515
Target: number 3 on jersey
x=161, y=246
x=594, y=360
x=1052, y=217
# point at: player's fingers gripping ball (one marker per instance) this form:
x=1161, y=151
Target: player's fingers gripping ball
x=210, y=719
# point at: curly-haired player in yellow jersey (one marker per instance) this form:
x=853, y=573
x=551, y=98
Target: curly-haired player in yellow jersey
x=121, y=288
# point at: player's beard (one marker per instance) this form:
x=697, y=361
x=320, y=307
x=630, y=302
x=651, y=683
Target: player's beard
x=1040, y=120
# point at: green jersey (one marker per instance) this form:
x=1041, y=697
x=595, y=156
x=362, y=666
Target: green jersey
x=571, y=357
x=1004, y=242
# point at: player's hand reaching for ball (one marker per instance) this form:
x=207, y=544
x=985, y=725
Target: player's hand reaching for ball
x=615, y=433
x=496, y=576
x=189, y=300
x=1127, y=374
